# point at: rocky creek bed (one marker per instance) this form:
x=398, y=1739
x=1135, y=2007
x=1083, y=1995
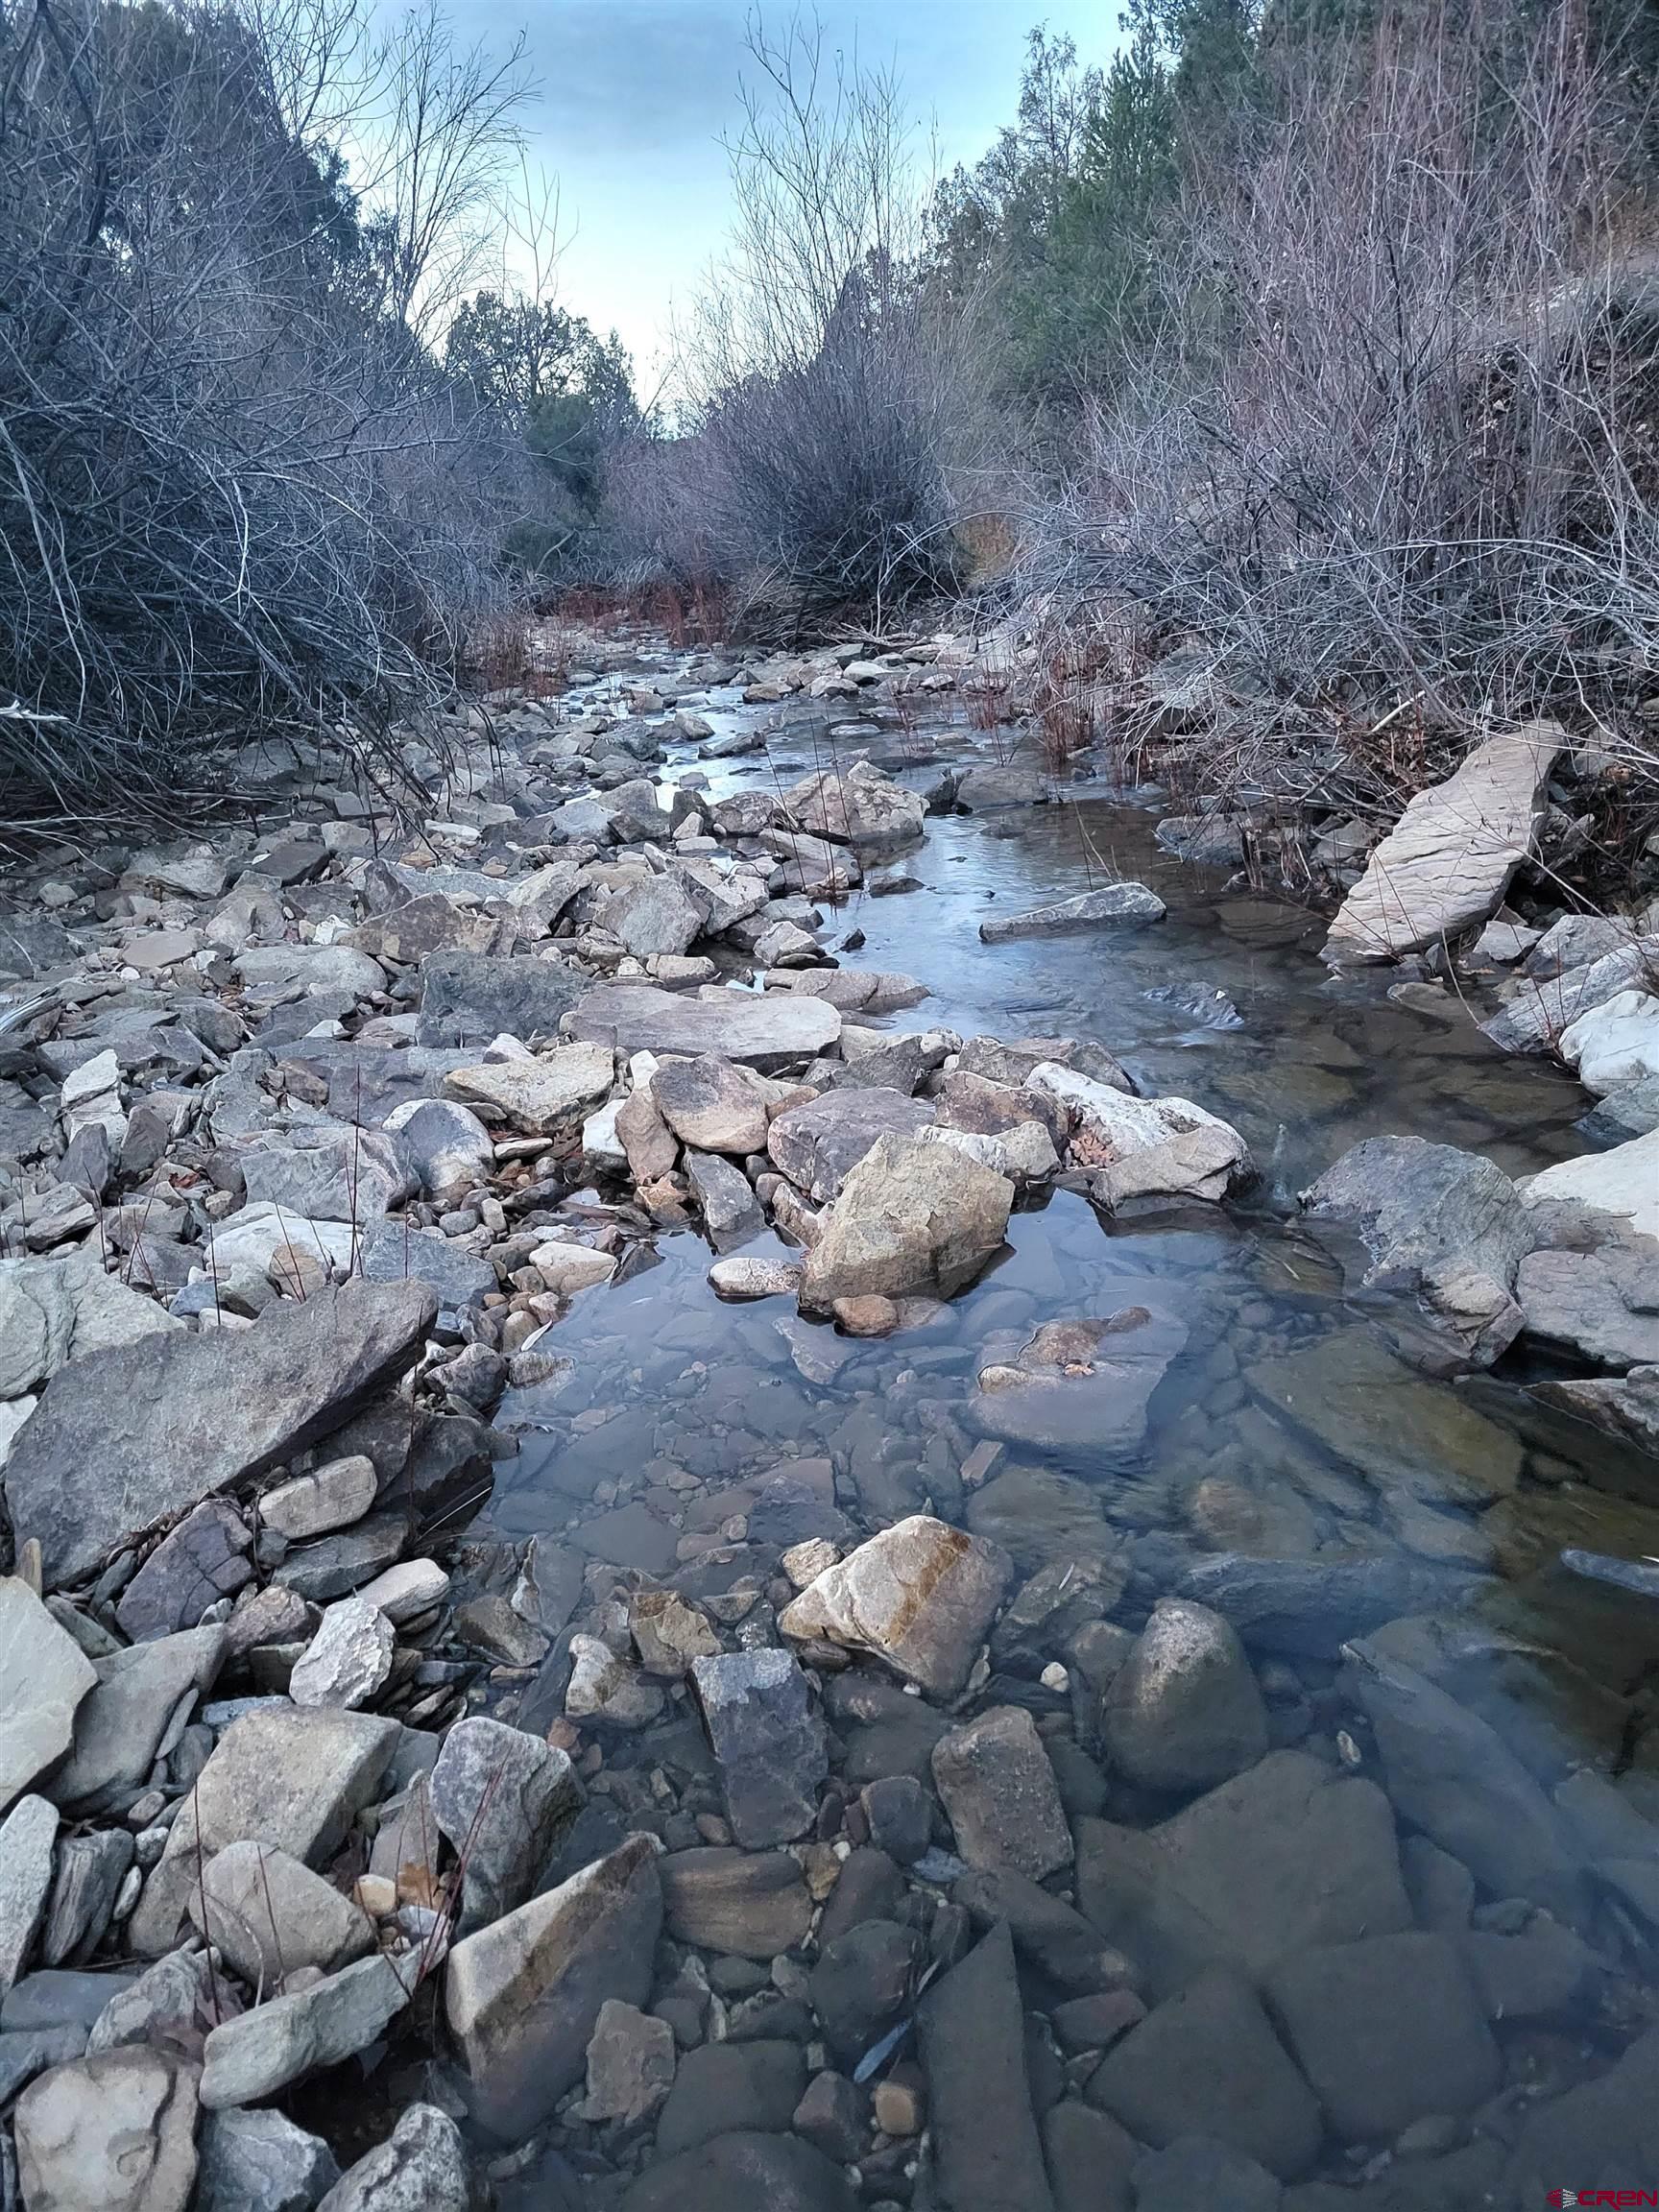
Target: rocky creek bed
x=777, y=1472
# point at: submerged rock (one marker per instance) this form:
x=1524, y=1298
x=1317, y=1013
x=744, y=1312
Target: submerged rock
x=973, y=2039
x=768, y=1743
x=1076, y=1386
x=1183, y=1712
x=996, y=1786
x=1116, y=906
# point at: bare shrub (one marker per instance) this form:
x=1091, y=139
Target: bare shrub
x=831, y=392
x=236, y=494
x=1399, y=459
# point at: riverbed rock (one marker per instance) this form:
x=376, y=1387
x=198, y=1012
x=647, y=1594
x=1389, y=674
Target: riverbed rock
x=630, y=2063
x=856, y=805
x=1599, y=1304
x=1452, y=1776
x=1183, y=1712
x=723, y=2088
x=753, y=1903
x=818, y=1144
x=1614, y=1044
x=505, y=1797
x=768, y=1743
x=1389, y=2030
x=1143, y=1147
x=522, y=1997
x=44, y=1678
x=653, y=915
x=143, y=1698
x=1622, y=1184
x=292, y=1779
x=261, y=2162
x=1078, y=1385
x=997, y=1789
x=539, y=1095
x=744, y=2171
x=1311, y=1607
x=1113, y=906
x=972, y=2031
x=1432, y=1218
x=349, y=1658
x=919, y=1596
x=1626, y=1407
x=422, y=2168
x=56, y=1311
x=259, y=2052
x=205, y=1558
x=1350, y=1392
x=1535, y=1013
x=333, y=1496
x=270, y=1915
x=730, y=1210
x=27, y=1835
x=469, y=997
x=606, y=1687
x=115, y=2132
x=1447, y=861
x=1206, y=2061
x=714, y=1105
x=741, y=1279
x=912, y=1217
x=138, y=1433
x=764, y=1028
x=1287, y=1854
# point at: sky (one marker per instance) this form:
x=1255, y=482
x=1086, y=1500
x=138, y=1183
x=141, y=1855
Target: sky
x=635, y=95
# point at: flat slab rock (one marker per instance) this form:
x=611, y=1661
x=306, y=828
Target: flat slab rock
x=754, y=1026
x=140, y=1434
x=1118, y=905
x=1447, y=861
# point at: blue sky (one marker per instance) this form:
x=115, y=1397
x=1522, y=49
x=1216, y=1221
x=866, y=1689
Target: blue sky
x=636, y=93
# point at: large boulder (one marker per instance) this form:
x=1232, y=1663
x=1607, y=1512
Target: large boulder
x=818, y=1144
x=140, y=1434
x=767, y=1029
x=1143, y=1147
x=919, y=1596
x=522, y=1996
x=1447, y=863
x=856, y=805
x=910, y=1217
x=541, y=1095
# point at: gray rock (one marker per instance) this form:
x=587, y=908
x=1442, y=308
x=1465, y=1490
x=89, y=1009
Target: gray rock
x=327, y=1174
x=394, y=1252
x=972, y=2029
x=746, y=2171
x=261, y=2162
x=1048, y=1932
x=447, y=1147
x=541, y=1095
x=333, y=1496
x=1078, y=1385
x=1433, y=1220
x=522, y=1997
x=1183, y=1712
x=1536, y=1014
x=62, y=1998
x=1090, y=2159
x=1626, y=1407
x=271, y=1916
x=1311, y=1607
x=27, y=1835
x=89, y=1873
x=168, y=2004
x=147, y=1431
x=919, y=1596
x=204, y=1558
x=1598, y=1304
x=116, y=2132
x=472, y=998
x=143, y=1699
x=52, y=1311
x=1447, y=863
x=606, y=1688
x=818, y=1144
x=505, y=1797
x=1452, y=1776
x=25, y=2053
x=730, y=1212
x=712, y=1105
x=44, y=1677
x=349, y=1658
x=855, y=805
x=275, y=973
x=724, y=2087
x=1195, y=2169
x=653, y=915
x=862, y=1981
x=1116, y=906
x=996, y=1785
x=279, y=2042
x=768, y=1743
x=912, y=1217
x=422, y=2168
x=365, y=1559
x=752, y=1904
x=1602, y=2130
x=294, y=1780
x=1206, y=2061
x=766, y=1029
x=1287, y=1854
x=630, y=2063
x=1389, y=2030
